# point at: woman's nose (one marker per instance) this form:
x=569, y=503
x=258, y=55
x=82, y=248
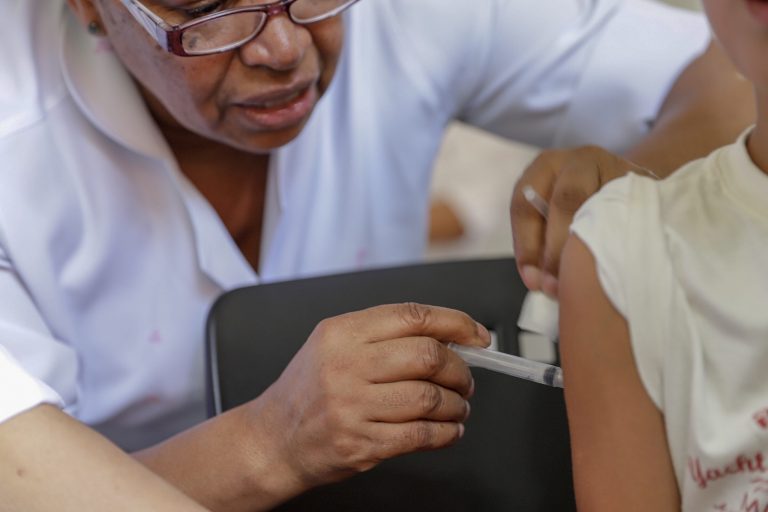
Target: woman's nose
x=281, y=45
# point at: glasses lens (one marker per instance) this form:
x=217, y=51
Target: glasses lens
x=307, y=11
x=222, y=33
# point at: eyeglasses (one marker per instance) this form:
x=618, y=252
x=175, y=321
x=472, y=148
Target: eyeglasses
x=228, y=29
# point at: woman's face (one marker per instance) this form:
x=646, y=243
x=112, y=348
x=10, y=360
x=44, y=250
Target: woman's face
x=741, y=27
x=254, y=98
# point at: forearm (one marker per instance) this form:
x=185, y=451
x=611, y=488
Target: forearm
x=708, y=107
x=50, y=462
x=227, y=463
x=331, y=414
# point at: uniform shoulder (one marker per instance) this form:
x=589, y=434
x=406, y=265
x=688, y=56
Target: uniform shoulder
x=31, y=79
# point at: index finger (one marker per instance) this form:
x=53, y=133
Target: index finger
x=410, y=319
x=528, y=225
x=409, y=359
x=578, y=180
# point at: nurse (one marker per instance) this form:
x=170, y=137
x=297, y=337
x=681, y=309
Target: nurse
x=156, y=153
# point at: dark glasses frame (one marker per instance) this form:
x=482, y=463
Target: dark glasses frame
x=170, y=37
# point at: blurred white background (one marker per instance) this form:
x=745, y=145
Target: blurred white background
x=691, y=4
x=474, y=177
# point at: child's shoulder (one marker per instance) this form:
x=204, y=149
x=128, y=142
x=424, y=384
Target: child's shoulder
x=609, y=209
x=692, y=186
x=689, y=197
x=685, y=181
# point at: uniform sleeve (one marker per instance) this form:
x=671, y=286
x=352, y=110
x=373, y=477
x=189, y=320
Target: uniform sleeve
x=34, y=366
x=570, y=72
x=19, y=391
x=23, y=335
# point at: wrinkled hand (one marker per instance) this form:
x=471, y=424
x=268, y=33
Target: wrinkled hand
x=565, y=179
x=370, y=385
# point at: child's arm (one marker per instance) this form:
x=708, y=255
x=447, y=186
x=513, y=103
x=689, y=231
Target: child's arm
x=618, y=442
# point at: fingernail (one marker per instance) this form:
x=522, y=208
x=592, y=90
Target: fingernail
x=461, y=430
x=531, y=277
x=469, y=408
x=483, y=333
x=471, y=390
x=550, y=286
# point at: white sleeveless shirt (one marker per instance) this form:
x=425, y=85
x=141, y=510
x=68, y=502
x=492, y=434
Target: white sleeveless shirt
x=684, y=261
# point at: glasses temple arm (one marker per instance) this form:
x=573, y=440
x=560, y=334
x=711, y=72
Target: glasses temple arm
x=155, y=26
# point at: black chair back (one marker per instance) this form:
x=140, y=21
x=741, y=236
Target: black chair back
x=515, y=454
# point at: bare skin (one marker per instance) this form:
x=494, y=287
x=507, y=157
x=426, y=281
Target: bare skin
x=238, y=195
x=198, y=103
x=444, y=224
x=618, y=464
x=52, y=462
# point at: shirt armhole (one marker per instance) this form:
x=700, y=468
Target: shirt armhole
x=614, y=234
x=599, y=224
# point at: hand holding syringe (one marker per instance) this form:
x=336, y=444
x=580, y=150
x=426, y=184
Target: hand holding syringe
x=506, y=363
x=510, y=365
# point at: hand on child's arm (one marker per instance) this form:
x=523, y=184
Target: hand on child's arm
x=565, y=179
x=707, y=107
x=618, y=441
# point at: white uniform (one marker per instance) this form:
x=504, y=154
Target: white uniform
x=110, y=259
x=684, y=260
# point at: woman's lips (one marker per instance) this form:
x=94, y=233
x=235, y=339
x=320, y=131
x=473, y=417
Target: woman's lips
x=279, y=111
x=759, y=10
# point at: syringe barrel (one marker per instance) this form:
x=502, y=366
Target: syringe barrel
x=510, y=365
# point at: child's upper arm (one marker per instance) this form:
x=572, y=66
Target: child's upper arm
x=618, y=442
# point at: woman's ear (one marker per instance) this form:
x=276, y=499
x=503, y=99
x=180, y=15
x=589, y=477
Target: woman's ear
x=86, y=12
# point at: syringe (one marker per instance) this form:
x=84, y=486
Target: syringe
x=535, y=200
x=510, y=365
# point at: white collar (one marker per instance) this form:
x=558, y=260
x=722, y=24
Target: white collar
x=108, y=97
x=744, y=178
x=106, y=93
